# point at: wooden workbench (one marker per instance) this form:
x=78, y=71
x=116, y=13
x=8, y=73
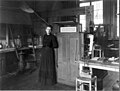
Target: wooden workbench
x=99, y=69
x=9, y=61
x=99, y=65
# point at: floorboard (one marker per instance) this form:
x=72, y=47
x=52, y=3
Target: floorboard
x=29, y=81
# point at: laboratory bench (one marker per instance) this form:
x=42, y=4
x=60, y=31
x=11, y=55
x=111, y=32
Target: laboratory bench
x=9, y=60
x=99, y=68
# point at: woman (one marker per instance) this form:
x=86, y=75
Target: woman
x=47, y=72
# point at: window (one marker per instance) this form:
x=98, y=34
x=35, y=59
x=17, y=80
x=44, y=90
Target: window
x=118, y=18
x=83, y=17
x=98, y=13
x=83, y=22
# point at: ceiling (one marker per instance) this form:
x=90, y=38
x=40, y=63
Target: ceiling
x=37, y=5
x=41, y=7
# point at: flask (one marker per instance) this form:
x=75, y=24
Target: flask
x=1, y=46
x=40, y=40
x=18, y=41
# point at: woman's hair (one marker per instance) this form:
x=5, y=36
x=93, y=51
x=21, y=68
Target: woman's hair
x=50, y=27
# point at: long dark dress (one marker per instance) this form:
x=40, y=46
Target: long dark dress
x=47, y=71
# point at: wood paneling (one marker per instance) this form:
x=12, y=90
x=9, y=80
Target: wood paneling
x=68, y=53
x=10, y=13
x=62, y=58
x=14, y=17
x=11, y=62
x=2, y=31
x=2, y=64
x=8, y=63
x=109, y=15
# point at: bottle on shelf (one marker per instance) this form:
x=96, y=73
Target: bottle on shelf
x=40, y=40
x=1, y=46
x=18, y=41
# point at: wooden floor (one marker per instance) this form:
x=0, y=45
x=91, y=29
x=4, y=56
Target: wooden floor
x=30, y=82
x=109, y=80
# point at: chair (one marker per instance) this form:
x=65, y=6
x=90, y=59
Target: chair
x=86, y=79
x=27, y=60
x=97, y=49
x=31, y=59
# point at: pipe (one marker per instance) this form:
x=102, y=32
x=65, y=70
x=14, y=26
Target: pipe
x=27, y=9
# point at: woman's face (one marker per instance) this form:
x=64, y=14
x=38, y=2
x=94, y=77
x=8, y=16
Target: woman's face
x=48, y=30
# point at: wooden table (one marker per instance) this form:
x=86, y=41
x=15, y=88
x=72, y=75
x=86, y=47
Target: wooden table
x=99, y=65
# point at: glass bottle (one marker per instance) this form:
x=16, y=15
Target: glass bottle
x=40, y=40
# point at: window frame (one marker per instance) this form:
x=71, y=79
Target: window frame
x=101, y=19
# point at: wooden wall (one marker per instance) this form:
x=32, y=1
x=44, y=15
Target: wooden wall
x=109, y=16
x=2, y=31
x=8, y=63
x=39, y=26
x=14, y=17
x=16, y=29
x=10, y=13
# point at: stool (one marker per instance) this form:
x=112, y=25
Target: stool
x=115, y=86
x=81, y=81
x=85, y=78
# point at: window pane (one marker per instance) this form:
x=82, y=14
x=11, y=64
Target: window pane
x=98, y=5
x=83, y=22
x=98, y=21
x=98, y=13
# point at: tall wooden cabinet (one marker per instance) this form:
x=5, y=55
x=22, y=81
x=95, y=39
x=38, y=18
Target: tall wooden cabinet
x=70, y=50
x=8, y=63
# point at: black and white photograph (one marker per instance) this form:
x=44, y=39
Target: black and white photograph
x=62, y=45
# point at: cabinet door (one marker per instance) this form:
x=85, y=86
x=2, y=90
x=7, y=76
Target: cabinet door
x=11, y=62
x=2, y=64
x=62, y=58
x=68, y=53
x=74, y=56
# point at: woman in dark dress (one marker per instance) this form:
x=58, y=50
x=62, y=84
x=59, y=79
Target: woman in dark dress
x=47, y=71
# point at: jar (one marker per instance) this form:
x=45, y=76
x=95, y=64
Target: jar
x=40, y=40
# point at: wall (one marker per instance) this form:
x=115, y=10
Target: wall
x=39, y=26
x=15, y=30
x=12, y=18
x=2, y=31
x=109, y=16
x=67, y=4
x=9, y=16
x=11, y=13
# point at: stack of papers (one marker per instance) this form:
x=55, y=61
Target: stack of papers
x=95, y=58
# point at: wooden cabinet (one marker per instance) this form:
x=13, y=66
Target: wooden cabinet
x=69, y=51
x=8, y=63
x=2, y=64
x=11, y=62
